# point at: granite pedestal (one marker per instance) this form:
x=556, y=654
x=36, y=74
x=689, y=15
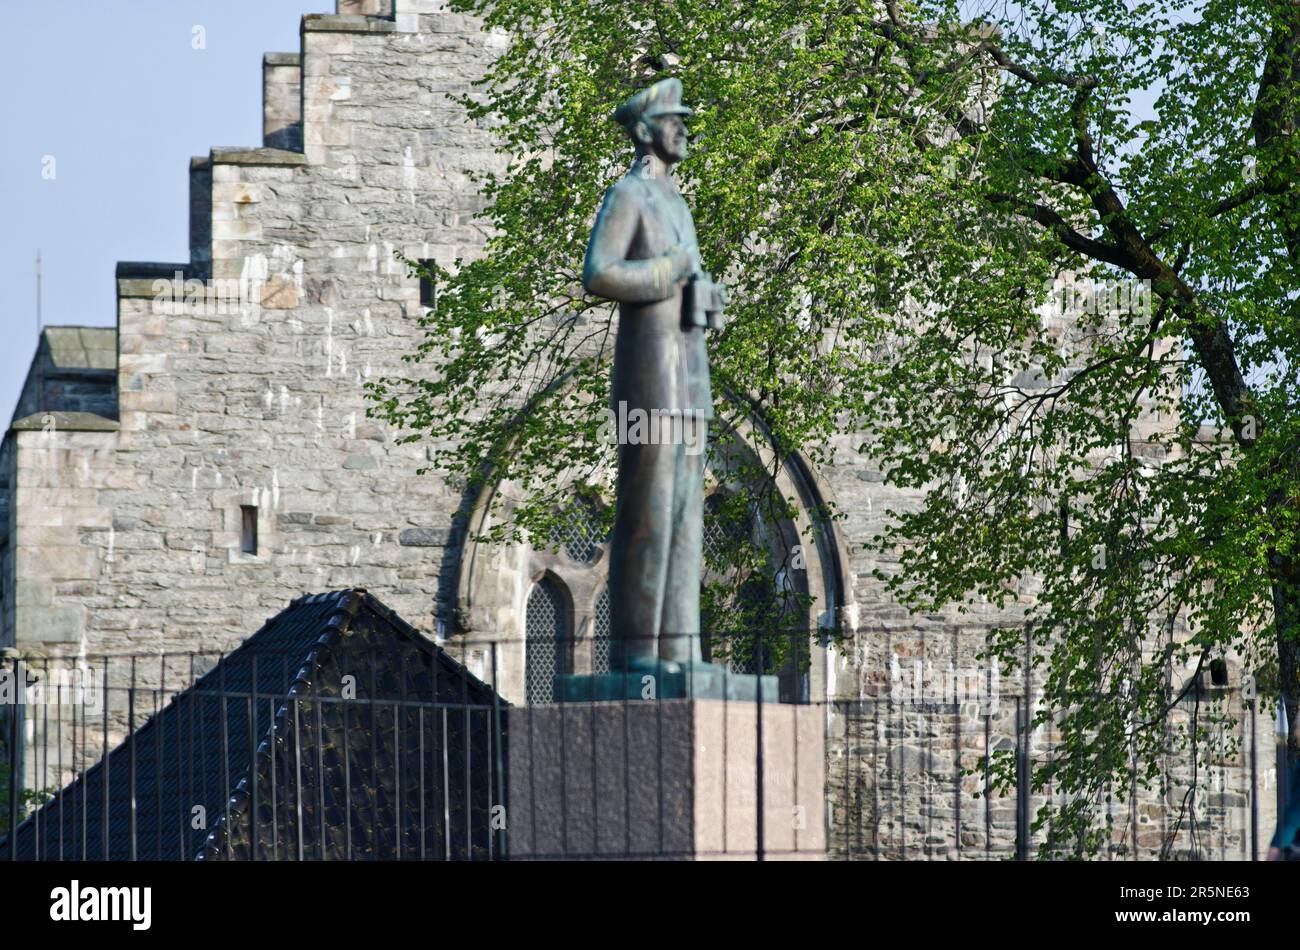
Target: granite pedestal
x=666, y=779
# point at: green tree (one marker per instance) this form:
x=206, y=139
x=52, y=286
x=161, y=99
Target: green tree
x=1155, y=144
x=891, y=190
x=791, y=181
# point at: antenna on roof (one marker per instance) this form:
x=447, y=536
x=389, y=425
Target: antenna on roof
x=38, y=293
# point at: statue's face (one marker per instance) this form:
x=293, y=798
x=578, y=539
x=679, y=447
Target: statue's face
x=668, y=137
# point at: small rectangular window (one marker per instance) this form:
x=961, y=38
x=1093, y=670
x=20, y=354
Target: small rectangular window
x=428, y=290
x=248, y=529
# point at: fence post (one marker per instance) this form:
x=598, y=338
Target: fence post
x=1282, y=790
x=758, y=760
x=14, y=759
x=503, y=839
x=1254, y=778
x=1022, y=784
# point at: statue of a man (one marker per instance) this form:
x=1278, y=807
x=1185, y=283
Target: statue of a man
x=643, y=254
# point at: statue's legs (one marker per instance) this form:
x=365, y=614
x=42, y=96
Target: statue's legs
x=655, y=555
x=679, y=630
x=638, y=551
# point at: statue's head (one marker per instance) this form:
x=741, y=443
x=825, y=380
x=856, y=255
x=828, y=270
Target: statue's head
x=655, y=120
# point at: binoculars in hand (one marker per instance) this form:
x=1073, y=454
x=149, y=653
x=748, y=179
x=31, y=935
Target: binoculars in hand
x=704, y=301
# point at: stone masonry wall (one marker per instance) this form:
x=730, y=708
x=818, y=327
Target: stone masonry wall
x=253, y=397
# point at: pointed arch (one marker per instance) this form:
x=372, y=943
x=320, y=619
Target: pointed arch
x=600, y=632
x=548, y=638
x=493, y=582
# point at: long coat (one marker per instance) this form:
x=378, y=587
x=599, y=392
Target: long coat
x=660, y=362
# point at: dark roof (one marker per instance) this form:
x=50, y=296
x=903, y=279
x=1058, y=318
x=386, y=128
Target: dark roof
x=357, y=746
x=86, y=348
x=73, y=373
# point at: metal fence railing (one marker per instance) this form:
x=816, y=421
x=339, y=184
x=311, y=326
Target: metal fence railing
x=368, y=751
x=918, y=781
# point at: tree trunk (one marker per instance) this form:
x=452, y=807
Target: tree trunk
x=1284, y=577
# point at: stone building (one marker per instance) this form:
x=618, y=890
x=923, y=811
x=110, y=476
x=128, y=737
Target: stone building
x=168, y=484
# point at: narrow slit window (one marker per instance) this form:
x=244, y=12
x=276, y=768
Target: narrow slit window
x=428, y=290
x=248, y=529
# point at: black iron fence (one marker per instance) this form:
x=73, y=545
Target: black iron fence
x=357, y=750
x=919, y=781
x=354, y=753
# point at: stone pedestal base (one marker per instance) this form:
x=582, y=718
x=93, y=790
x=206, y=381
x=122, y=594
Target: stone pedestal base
x=673, y=779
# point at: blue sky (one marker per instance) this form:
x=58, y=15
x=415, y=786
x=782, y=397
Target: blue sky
x=119, y=96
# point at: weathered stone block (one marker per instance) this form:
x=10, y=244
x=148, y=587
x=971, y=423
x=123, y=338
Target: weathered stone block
x=280, y=293
x=361, y=463
x=423, y=537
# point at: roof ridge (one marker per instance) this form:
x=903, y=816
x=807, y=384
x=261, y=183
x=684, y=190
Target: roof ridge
x=337, y=626
x=421, y=640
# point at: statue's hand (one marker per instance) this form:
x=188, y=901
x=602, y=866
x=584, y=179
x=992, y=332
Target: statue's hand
x=683, y=262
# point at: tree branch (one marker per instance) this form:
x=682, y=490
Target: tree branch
x=1052, y=220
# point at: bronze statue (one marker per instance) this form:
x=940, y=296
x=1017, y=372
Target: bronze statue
x=643, y=254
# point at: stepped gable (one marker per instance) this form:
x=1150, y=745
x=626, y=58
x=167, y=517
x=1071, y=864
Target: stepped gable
x=237, y=379
x=360, y=773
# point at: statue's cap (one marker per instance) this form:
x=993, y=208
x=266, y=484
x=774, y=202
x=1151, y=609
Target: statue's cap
x=663, y=98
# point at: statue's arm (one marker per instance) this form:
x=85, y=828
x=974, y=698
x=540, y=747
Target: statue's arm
x=608, y=273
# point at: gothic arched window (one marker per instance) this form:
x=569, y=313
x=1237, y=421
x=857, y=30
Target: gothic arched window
x=548, y=640
x=723, y=529
x=600, y=633
x=579, y=535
